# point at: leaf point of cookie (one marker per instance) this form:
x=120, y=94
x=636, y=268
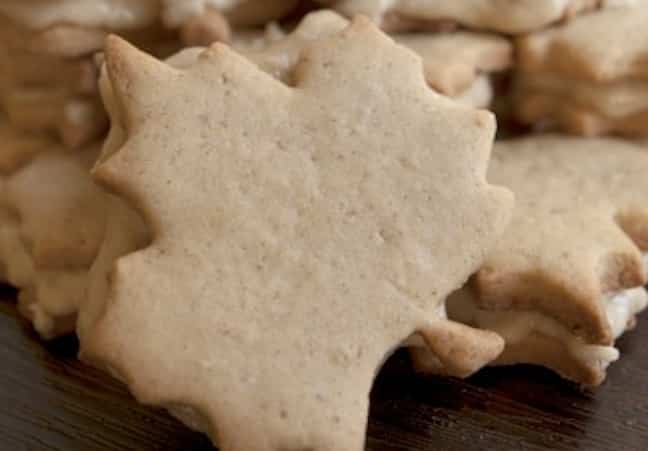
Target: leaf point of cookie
x=633, y=221
x=107, y=172
x=132, y=71
x=378, y=58
x=462, y=350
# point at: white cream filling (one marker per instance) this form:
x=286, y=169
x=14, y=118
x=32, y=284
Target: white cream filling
x=515, y=326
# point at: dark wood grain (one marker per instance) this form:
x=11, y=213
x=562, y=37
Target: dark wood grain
x=50, y=401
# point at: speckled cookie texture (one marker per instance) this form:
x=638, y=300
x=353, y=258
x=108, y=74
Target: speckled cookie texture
x=565, y=280
x=504, y=16
x=299, y=234
x=583, y=85
x=456, y=64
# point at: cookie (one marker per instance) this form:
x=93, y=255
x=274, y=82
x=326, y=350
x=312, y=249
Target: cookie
x=51, y=224
x=123, y=16
x=551, y=111
x=110, y=14
x=270, y=205
x=615, y=100
x=454, y=61
x=241, y=13
x=509, y=16
x=455, y=64
x=125, y=232
x=47, y=75
x=617, y=53
x=279, y=54
x=565, y=280
x=581, y=107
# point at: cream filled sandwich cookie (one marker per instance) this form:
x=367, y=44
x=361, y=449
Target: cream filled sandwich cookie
x=565, y=281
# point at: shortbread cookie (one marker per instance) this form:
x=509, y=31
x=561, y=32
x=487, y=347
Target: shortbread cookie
x=242, y=13
x=51, y=224
x=507, y=16
x=581, y=107
x=454, y=61
x=550, y=111
x=53, y=221
x=47, y=74
x=615, y=99
x=337, y=199
x=455, y=64
x=605, y=46
x=565, y=280
x=122, y=16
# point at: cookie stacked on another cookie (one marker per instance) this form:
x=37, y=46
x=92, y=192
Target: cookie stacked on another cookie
x=502, y=16
x=53, y=216
x=435, y=24
x=565, y=281
x=587, y=77
x=456, y=64
x=47, y=72
x=52, y=221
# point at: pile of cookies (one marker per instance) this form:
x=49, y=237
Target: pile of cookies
x=269, y=213
x=587, y=86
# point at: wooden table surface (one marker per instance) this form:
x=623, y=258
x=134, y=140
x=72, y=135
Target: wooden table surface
x=50, y=401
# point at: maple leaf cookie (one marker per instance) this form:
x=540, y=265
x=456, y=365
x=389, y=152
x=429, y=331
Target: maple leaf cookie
x=299, y=234
x=565, y=280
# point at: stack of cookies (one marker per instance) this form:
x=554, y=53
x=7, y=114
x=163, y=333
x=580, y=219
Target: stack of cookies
x=52, y=122
x=48, y=78
x=460, y=64
x=270, y=220
x=456, y=64
x=587, y=77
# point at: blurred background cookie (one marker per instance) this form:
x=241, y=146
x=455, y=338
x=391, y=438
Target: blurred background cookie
x=48, y=79
x=586, y=77
x=565, y=281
